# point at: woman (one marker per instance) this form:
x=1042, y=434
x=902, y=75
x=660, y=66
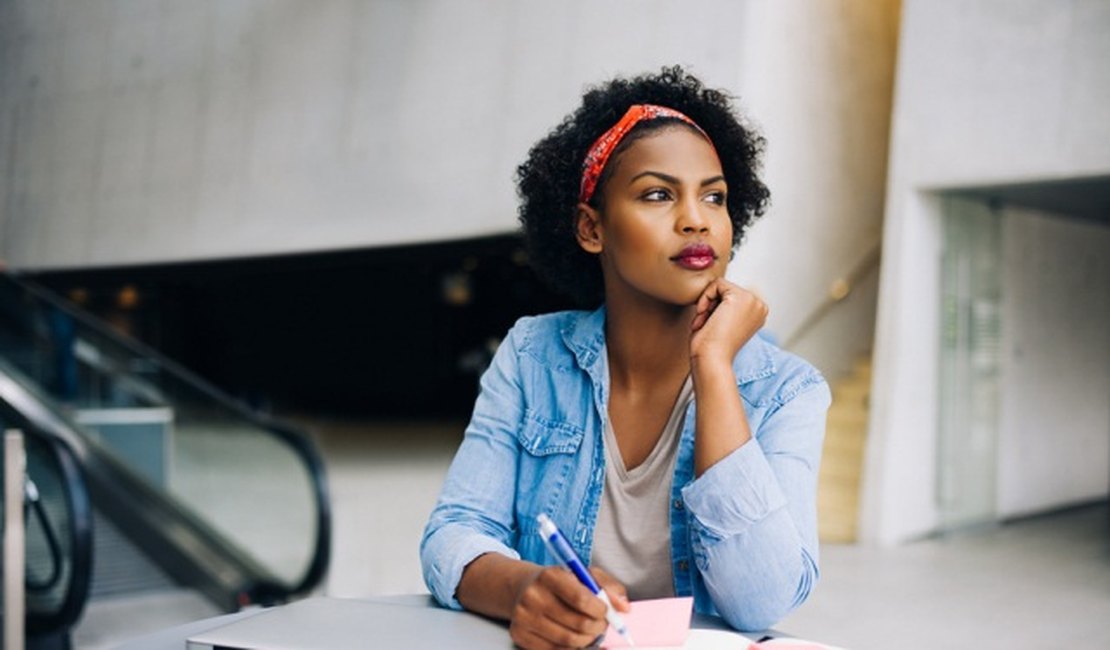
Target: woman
x=675, y=447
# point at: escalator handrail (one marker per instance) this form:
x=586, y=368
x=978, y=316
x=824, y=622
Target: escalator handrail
x=297, y=440
x=318, y=565
x=183, y=545
x=79, y=510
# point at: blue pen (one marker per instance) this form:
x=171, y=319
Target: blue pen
x=559, y=546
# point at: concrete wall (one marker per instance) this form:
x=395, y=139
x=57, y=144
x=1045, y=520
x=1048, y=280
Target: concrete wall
x=135, y=131
x=987, y=92
x=820, y=79
x=1054, y=429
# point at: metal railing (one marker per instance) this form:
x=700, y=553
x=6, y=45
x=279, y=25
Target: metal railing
x=223, y=486
x=839, y=290
x=53, y=502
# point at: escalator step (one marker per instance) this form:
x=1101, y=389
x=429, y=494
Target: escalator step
x=119, y=567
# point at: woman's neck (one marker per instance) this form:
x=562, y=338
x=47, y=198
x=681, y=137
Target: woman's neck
x=648, y=342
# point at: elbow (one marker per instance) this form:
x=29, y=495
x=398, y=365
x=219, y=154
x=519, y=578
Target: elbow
x=763, y=607
x=432, y=552
x=752, y=622
x=427, y=553
x=756, y=615
x=428, y=567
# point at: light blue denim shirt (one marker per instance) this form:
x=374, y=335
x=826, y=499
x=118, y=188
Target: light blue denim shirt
x=743, y=534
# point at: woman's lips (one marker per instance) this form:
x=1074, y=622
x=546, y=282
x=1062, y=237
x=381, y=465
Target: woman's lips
x=696, y=257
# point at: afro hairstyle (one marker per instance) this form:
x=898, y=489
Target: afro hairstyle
x=548, y=180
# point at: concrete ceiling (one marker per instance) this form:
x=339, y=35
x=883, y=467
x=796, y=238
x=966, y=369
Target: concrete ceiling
x=1084, y=198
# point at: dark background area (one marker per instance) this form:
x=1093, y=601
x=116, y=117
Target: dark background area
x=389, y=332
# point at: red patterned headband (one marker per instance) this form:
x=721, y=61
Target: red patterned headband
x=603, y=147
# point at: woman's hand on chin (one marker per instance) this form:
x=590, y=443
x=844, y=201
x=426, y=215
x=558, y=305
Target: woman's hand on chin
x=726, y=317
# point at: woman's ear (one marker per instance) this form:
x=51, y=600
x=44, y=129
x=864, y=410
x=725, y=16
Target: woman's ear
x=588, y=228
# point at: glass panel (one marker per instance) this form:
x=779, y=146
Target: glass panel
x=969, y=364
x=231, y=469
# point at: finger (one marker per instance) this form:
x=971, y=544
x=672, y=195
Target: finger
x=704, y=306
x=562, y=626
x=573, y=593
x=727, y=286
x=548, y=619
x=573, y=620
x=571, y=628
x=708, y=296
x=698, y=322
x=618, y=594
x=531, y=640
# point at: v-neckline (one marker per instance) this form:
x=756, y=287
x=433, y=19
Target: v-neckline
x=666, y=436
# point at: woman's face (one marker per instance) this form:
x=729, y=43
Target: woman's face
x=663, y=231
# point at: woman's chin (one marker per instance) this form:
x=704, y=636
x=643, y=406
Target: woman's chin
x=687, y=298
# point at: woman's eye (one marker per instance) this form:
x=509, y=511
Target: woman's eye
x=656, y=195
x=717, y=198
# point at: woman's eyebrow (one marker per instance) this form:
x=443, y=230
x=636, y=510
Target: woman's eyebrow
x=672, y=179
x=667, y=178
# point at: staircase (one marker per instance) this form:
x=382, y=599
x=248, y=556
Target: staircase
x=838, y=483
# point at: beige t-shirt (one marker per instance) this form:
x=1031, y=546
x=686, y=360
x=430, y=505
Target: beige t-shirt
x=632, y=538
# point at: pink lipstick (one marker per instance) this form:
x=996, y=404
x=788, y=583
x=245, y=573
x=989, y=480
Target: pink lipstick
x=696, y=257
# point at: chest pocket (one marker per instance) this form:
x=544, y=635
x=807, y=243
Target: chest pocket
x=542, y=437
x=546, y=476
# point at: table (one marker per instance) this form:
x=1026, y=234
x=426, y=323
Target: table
x=174, y=638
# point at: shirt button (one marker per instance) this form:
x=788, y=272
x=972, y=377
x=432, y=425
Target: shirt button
x=682, y=565
x=678, y=504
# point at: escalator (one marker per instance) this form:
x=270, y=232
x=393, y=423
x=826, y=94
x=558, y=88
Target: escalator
x=58, y=538
x=220, y=499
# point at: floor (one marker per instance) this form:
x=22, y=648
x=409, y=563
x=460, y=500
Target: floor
x=1037, y=583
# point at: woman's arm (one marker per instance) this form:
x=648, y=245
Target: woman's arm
x=467, y=550
x=754, y=514
x=753, y=502
x=474, y=513
x=727, y=316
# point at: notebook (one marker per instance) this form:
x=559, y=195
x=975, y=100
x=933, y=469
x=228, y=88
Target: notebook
x=342, y=624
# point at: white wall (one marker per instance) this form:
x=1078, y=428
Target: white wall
x=1054, y=429
x=987, y=92
x=819, y=78
x=162, y=131
x=135, y=131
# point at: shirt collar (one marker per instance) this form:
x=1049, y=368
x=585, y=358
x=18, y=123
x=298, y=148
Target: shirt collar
x=584, y=334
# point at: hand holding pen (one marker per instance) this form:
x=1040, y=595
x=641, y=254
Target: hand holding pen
x=561, y=549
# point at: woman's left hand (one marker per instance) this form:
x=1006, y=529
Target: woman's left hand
x=727, y=316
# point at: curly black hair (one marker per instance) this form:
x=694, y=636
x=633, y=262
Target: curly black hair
x=548, y=181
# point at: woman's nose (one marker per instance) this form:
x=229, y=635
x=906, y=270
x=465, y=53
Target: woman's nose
x=690, y=218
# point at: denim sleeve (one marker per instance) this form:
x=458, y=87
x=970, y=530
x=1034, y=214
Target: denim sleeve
x=754, y=515
x=474, y=514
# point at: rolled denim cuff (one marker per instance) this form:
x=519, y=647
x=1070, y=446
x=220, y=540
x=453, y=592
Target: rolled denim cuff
x=456, y=546
x=736, y=492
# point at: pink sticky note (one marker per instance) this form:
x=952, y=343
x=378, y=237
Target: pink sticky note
x=655, y=623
